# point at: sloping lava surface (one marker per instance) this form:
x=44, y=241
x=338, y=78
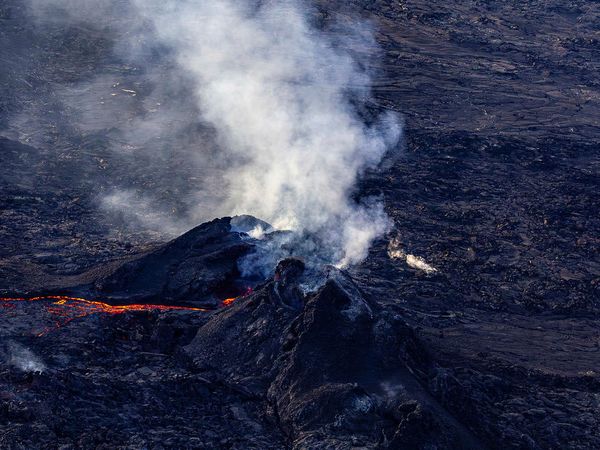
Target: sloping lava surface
x=195, y=267
x=496, y=187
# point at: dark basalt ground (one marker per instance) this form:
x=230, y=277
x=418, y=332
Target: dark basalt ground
x=497, y=187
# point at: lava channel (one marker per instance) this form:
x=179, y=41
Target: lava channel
x=67, y=309
x=230, y=300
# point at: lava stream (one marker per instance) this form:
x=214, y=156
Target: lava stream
x=68, y=309
x=230, y=300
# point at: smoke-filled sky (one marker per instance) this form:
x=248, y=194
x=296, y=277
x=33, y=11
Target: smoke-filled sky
x=267, y=113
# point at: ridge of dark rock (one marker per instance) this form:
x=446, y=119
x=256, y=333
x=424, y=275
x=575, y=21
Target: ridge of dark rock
x=194, y=268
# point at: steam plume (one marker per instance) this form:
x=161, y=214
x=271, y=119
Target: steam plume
x=24, y=359
x=282, y=99
x=277, y=92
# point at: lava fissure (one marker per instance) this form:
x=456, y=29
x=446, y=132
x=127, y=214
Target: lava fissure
x=68, y=309
x=230, y=300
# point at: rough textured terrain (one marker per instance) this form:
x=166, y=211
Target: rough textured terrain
x=497, y=186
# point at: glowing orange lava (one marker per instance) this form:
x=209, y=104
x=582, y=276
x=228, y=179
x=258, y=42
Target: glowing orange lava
x=229, y=301
x=68, y=309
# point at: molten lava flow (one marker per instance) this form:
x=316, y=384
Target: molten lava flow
x=68, y=309
x=229, y=301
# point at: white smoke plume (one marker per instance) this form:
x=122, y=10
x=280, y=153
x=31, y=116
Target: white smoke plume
x=24, y=359
x=277, y=92
x=396, y=252
x=282, y=98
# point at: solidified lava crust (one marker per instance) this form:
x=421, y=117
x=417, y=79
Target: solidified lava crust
x=67, y=309
x=496, y=186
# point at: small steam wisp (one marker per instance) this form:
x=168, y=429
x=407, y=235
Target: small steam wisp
x=24, y=359
x=396, y=252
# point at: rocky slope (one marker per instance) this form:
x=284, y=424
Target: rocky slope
x=496, y=187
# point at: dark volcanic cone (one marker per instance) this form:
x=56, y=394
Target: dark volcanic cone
x=333, y=369
x=201, y=266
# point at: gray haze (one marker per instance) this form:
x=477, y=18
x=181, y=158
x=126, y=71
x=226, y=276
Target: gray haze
x=23, y=359
x=268, y=117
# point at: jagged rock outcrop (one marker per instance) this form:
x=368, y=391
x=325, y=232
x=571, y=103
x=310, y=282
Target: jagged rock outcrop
x=197, y=267
x=336, y=371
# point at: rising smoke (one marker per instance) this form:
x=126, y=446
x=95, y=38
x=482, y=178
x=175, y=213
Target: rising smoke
x=281, y=97
x=23, y=359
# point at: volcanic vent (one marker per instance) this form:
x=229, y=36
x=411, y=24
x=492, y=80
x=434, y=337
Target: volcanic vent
x=330, y=366
x=304, y=344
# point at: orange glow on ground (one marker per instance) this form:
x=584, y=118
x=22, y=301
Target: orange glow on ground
x=67, y=309
x=229, y=301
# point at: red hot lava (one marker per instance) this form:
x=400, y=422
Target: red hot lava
x=67, y=309
x=230, y=300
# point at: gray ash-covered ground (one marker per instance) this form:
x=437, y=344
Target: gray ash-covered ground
x=496, y=186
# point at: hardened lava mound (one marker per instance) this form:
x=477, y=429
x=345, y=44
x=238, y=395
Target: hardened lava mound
x=281, y=365
x=473, y=324
x=273, y=368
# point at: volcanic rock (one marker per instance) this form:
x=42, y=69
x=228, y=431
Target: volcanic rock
x=197, y=267
x=496, y=186
x=335, y=371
